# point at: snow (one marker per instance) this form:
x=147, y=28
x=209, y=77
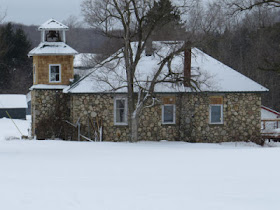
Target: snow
x=13, y=101
x=52, y=24
x=28, y=96
x=270, y=124
x=210, y=74
x=48, y=87
x=8, y=129
x=84, y=60
x=52, y=48
x=162, y=175
x=267, y=113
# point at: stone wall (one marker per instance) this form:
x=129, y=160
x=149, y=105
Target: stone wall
x=42, y=68
x=49, y=109
x=241, y=118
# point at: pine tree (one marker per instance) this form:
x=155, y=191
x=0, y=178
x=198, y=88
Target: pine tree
x=15, y=67
x=166, y=20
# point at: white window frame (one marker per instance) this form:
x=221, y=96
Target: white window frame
x=125, y=110
x=174, y=114
x=50, y=65
x=34, y=73
x=222, y=114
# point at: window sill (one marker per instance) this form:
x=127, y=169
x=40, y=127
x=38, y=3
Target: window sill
x=173, y=123
x=120, y=124
x=216, y=123
x=55, y=82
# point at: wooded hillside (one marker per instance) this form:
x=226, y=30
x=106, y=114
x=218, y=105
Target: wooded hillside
x=248, y=42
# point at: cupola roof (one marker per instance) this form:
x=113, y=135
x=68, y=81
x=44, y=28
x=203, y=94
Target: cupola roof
x=53, y=24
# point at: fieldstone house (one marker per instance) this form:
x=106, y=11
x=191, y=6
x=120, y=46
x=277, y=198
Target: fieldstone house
x=224, y=106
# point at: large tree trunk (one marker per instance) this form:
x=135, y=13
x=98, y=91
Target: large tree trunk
x=134, y=129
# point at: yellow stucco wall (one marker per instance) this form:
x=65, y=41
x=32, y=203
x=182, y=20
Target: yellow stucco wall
x=42, y=64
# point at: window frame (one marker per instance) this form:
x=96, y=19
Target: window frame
x=125, y=110
x=222, y=114
x=50, y=65
x=174, y=114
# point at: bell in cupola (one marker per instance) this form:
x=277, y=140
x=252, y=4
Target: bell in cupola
x=53, y=36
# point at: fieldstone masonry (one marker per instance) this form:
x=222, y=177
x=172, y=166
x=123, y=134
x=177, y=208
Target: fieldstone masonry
x=241, y=118
x=48, y=106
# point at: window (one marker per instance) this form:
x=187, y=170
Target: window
x=168, y=114
x=55, y=73
x=216, y=114
x=34, y=74
x=120, y=111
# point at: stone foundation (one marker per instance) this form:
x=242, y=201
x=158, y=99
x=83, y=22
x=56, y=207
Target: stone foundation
x=49, y=109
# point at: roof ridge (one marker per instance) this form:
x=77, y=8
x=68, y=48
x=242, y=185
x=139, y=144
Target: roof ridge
x=59, y=25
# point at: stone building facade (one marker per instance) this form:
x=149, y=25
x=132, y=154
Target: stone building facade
x=50, y=109
x=241, y=117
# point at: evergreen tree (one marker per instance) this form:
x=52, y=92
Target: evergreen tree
x=166, y=20
x=163, y=12
x=15, y=67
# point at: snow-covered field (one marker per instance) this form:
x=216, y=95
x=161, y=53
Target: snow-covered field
x=163, y=175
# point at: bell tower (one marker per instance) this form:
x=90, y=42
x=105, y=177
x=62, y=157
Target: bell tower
x=53, y=58
x=52, y=72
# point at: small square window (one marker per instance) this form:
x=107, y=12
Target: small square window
x=168, y=114
x=120, y=111
x=55, y=73
x=216, y=114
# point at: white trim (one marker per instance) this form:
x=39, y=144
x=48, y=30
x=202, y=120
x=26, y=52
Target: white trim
x=63, y=36
x=48, y=87
x=162, y=114
x=43, y=35
x=50, y=65
x=222, y=114
x=125, y=110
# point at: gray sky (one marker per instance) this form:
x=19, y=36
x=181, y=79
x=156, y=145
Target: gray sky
x=37, y=12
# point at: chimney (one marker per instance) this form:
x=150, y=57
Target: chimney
x=149, y=47
x=187, y=65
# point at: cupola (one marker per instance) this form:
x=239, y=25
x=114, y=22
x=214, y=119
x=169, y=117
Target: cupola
x=53, y=31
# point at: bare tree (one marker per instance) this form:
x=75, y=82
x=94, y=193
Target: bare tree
x=133, y=22
x=245, y=5
x=2, y=15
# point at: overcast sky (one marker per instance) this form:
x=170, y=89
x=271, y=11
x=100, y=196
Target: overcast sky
x=37, y=12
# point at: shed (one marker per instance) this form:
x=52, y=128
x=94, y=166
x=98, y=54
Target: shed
x=268, y=113
x=14, y=104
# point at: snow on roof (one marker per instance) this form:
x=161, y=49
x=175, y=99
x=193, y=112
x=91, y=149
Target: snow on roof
x=13, y=101
x=209, y=74
x=84, y=60
x=52, y=48
x=82, y=72
x=267, y=113
x=52, y=24
x=48, y=87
